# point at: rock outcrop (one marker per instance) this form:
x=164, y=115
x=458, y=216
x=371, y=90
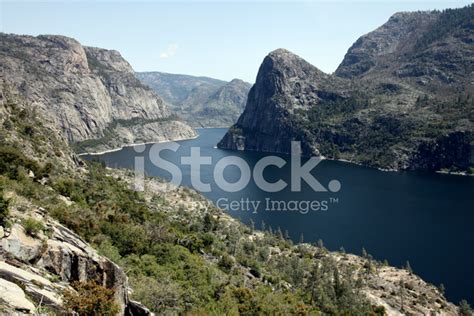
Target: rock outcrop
x=81, y=91
x=201, y=101
x=285, y=85
x=401, y=99
x=35, y=270
x=146, y=132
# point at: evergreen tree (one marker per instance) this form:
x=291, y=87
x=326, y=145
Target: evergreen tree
x=442, y=289
x=364, y=253
x=252, y=225
x=465, y=309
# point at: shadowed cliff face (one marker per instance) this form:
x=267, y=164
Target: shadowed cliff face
x=285, y=85
x=80, y=90
x=401, y=99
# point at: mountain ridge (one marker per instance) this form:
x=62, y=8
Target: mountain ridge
x=390, y=104
x=82, y=91
x=200, y=101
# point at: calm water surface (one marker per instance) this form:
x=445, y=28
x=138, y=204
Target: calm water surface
x=426, y=219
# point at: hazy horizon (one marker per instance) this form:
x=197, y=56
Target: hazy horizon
x=218, y=40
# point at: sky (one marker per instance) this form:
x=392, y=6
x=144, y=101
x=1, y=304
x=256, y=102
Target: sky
x=223, y=40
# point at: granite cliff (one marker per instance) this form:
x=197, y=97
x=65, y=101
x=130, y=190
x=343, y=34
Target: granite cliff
x=84, y=92
x=401, y=99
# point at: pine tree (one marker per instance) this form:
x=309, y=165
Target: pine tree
x=320, y=243
x=279, y=233
x=442, y=289
x=364, y=253
x=252, y=225
x=465, y=309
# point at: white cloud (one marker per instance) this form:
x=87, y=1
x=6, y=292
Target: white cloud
x=170, y=51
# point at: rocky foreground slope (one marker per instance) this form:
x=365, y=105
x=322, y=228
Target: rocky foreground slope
x=201, y=101
x=40, y=259
x=402, y=98
x=86, y=93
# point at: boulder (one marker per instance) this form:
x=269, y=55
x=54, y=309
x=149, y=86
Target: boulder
x=21, y=246
x=14, y=297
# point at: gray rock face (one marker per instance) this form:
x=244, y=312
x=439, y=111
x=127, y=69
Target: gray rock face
x=285, y=85
x=401, y=99
x=62, y=256
x=14, y=297
x=201, y=101
x=80, y=90
x=431, y=51
x=20, y=245
x=385, y=40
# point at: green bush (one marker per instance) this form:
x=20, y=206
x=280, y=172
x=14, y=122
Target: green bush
x=162, y=296
x=11, y=159
x=90, y=298
x=3, y=208
x=226, y=263
x=32, y=226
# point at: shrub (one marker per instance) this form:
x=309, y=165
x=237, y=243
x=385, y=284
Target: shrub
x=28, y=130
x=128, y=238
x=3, y=208
x=465, y=309
x=11, y=159
x=226, y=263
x=163, y=296
x=90, y=298
x=32, y=226
x=107, y=249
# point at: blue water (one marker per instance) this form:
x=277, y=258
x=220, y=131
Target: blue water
x=424, y=218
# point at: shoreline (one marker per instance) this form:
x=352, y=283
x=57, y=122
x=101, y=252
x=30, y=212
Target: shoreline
x=465, y=174
x=456, y=173
x=135, y=144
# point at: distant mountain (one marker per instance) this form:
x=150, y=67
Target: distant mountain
x=201, y=101
x=402, y=98
x=89, y=95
